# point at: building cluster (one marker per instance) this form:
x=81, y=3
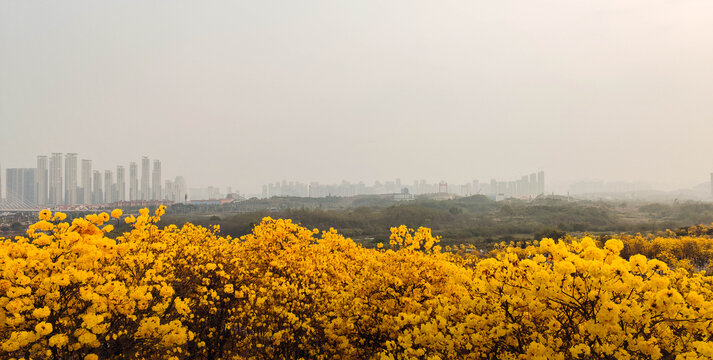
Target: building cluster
x=315, y=189
x=527, y=186
x=61, y=179
x=206, y=193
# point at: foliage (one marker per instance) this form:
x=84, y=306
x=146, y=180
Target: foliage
x=550, y=233
x=72, y=291
x=693, y=252
x=475, y=220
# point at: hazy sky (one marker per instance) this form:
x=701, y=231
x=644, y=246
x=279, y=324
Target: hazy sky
x=238, y=93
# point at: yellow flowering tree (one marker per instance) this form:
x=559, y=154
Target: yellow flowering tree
x=78, y=291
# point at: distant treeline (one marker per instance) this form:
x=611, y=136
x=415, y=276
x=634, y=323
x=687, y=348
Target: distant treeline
x=476, y=219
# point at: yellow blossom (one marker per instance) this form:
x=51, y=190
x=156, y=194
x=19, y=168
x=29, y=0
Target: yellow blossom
x=116, y=213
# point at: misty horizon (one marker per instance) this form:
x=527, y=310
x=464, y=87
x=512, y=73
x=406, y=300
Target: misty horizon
x=246, y=94
x=579, y=186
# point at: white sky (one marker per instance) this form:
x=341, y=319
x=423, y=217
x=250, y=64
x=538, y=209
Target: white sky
x=238, y=93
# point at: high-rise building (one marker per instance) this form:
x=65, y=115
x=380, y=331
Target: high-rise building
x=120, y=183
x=541, y=182
x=28, y=184
x=20, y=185
x=13, y=184
x=533, y=185
x=55, y=179
x=70, y=178
x=108, y=186
x=87, y=181
x=522, y=186
x=0, y=181
x=180, y=189
x=156, y=181
x=145, y=174
x=98, y=194
x=168, y=191
x=133, y=182
x=41, y=181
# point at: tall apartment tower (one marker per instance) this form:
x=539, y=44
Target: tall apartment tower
x=70, y=178
x=120, y=183
x=168, y=191
x=541, y=182
x=98, y=194
x=108, y=186
x=133, y=182
x=533, y=185
x=20, y=185
x=711, y=183
x=156, y=180
x=13, y=184
x=41, y=181
x=87, y=181
x=55, y=180
x=0, y=181
x=180, y=189
x=145, y=170
x=28, y=185
x=524, y=185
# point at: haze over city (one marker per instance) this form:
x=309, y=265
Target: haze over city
x=356, y=180
x=243, y=94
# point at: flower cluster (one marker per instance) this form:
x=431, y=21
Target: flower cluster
x=694, y=253
x=76, y=291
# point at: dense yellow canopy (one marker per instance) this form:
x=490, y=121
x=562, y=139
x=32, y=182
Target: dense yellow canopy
x=75, y=291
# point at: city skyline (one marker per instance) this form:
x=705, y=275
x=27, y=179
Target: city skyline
x=50, y=183
x=244, y=93
x=176, y=189
x=528, y=186
x=555, y=184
